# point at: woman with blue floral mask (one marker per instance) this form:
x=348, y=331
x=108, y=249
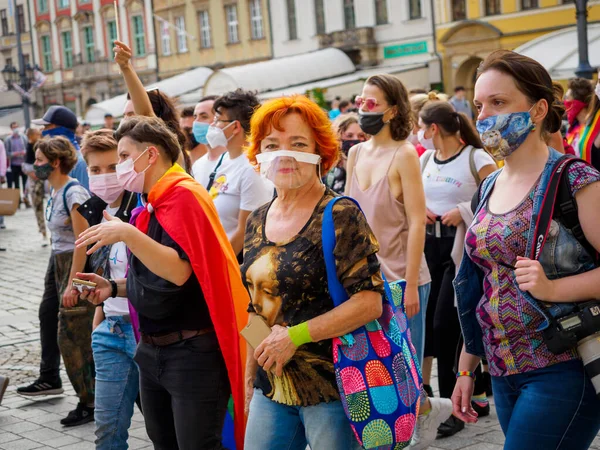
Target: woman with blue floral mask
x=544, y=399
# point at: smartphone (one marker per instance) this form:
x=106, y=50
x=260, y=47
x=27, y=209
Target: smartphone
x=80, y=285
x=256, y=331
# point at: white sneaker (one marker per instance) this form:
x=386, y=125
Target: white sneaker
x=427, y=426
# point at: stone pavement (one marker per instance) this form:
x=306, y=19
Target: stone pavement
x=34, y=424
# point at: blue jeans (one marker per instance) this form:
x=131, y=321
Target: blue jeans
x=117, y=382
x=273, y=426
x=416, y=325
x=554, y=408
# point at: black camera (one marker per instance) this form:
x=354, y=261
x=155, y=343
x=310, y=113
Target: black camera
x=579, y=329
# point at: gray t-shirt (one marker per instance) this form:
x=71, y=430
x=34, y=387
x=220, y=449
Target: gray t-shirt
x=59, y=220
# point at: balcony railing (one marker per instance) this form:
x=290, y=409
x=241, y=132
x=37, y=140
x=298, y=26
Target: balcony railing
x=85, y=71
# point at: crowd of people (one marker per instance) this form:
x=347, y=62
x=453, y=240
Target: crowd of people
x=187, y=225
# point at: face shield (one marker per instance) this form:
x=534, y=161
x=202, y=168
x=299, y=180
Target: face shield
x=288, y=169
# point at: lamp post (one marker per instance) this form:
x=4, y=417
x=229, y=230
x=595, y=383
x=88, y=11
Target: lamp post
x=584, y=70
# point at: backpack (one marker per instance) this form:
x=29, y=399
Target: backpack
x=376, y=367
x=429, y=153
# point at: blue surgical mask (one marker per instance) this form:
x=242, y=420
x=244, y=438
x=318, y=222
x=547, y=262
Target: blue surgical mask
x=503, y=134
x=199, y=130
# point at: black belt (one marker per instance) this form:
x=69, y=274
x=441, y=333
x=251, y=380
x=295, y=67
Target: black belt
x=174, y=337
x=439, y=230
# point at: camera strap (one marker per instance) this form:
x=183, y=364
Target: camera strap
x=559, y=203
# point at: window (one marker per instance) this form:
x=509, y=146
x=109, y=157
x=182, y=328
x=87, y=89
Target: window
x=46, y=54
x=256, y=20
x=112, y=32
x=21, y=18
x=414, y=9
x=165, y=37
x=62, y=4
x=320, y=16
x=26, y=60
x=9, y=62
x=181, y=34
x=42, y=6
x=205, y=41
x=291, y=13
x=138, y=36
x=459, y=10
x=529, y=4
x=492, y=7
x=88, y=39
x=4, y=21
x=381, y=12
x=232, y=24
x=349, y=18
x=67, y=50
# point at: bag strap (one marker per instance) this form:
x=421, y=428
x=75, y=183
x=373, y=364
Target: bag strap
x=213, y=174
x=64, y=195
x=473, y=166
x=426, y=157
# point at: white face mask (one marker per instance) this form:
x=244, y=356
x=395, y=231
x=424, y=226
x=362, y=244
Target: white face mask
x=287, y=169
x=216, y=136
x=427, y=143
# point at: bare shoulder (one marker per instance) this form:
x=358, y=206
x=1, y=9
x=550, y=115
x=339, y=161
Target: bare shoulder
x=406, y=156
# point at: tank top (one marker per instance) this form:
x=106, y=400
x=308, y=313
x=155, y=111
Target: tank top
x=387, y=218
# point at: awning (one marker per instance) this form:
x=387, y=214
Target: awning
x=190, y=81
x=280, y=73
x=558, y=51
x=358, y=76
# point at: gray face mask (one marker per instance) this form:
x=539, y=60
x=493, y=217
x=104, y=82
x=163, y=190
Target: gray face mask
x=372, y=122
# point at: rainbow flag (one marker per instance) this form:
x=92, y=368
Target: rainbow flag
x=186, y=212
x=588, y=135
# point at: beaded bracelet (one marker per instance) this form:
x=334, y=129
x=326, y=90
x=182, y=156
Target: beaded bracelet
x=465, y=373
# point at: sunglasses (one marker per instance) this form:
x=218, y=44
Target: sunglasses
x=370, y=102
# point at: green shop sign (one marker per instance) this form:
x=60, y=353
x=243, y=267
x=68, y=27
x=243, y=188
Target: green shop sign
x=396, y=51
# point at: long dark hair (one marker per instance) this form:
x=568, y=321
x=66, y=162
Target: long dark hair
x=164, y=109
x=451, y=122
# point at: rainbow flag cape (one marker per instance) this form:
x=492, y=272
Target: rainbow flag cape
x=588, y=135
x=186, y=212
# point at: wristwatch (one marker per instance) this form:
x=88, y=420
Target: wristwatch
x=113, y=284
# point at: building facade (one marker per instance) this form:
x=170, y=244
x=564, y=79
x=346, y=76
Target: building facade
x=10, y=101
x=210, y=33
x=74, y=41
x=386, y=34
x=469, y=30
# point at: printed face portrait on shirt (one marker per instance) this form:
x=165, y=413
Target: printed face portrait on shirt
x=264, y=287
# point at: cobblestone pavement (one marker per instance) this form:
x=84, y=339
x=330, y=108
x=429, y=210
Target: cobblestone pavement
x=34, y=424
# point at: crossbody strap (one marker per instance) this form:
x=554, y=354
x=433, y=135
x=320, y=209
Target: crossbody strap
x=426, y=157
x=473, y=166
x=64, y=195
x=213, y=174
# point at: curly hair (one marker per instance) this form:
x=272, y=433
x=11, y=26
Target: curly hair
x=581, y=89
x=58, y=148
x=269, y=116
x=396, y=95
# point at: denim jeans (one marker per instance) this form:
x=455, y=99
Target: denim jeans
x=185, y=391
x=416, y=325
x=554, y=408
x=117, y=382
x=274, y=426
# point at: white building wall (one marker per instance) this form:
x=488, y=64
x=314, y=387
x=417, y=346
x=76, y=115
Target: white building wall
x=305, y=24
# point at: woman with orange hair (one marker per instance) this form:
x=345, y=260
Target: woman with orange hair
x=291, y=390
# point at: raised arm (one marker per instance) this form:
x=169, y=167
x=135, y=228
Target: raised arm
x=137, y=92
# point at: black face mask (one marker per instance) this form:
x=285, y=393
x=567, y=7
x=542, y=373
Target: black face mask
x=371, y=123
x=348, y=144
x=191, y=137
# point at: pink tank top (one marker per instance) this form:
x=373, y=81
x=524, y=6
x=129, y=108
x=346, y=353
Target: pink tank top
x=387, y=218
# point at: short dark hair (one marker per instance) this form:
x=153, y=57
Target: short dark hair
x=208, y=98
x=14, y=123
x=151, y=130
x=187, y=112
x=58, y=148
x=459, y=89
x=108, y=115
x=240, y=106
x=344, y=103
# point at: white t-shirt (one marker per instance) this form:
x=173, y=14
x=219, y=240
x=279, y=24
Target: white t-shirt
x=117, y=262
x=202, y=169
x=59, y=222
x=238, y=186
x=448, y=183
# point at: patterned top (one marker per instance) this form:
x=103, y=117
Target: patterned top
x=507, y=319
x=288, y=285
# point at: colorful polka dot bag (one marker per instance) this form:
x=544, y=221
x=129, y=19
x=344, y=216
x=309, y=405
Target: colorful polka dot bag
x=377, y=372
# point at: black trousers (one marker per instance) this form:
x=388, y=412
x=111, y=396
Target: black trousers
x=48, y=314
x=185, y=391
x=15, y=177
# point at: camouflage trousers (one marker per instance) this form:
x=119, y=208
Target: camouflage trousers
x=37, y=200
x=73, y=331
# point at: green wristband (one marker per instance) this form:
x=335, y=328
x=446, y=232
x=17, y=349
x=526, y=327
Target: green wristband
x=299, y=334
